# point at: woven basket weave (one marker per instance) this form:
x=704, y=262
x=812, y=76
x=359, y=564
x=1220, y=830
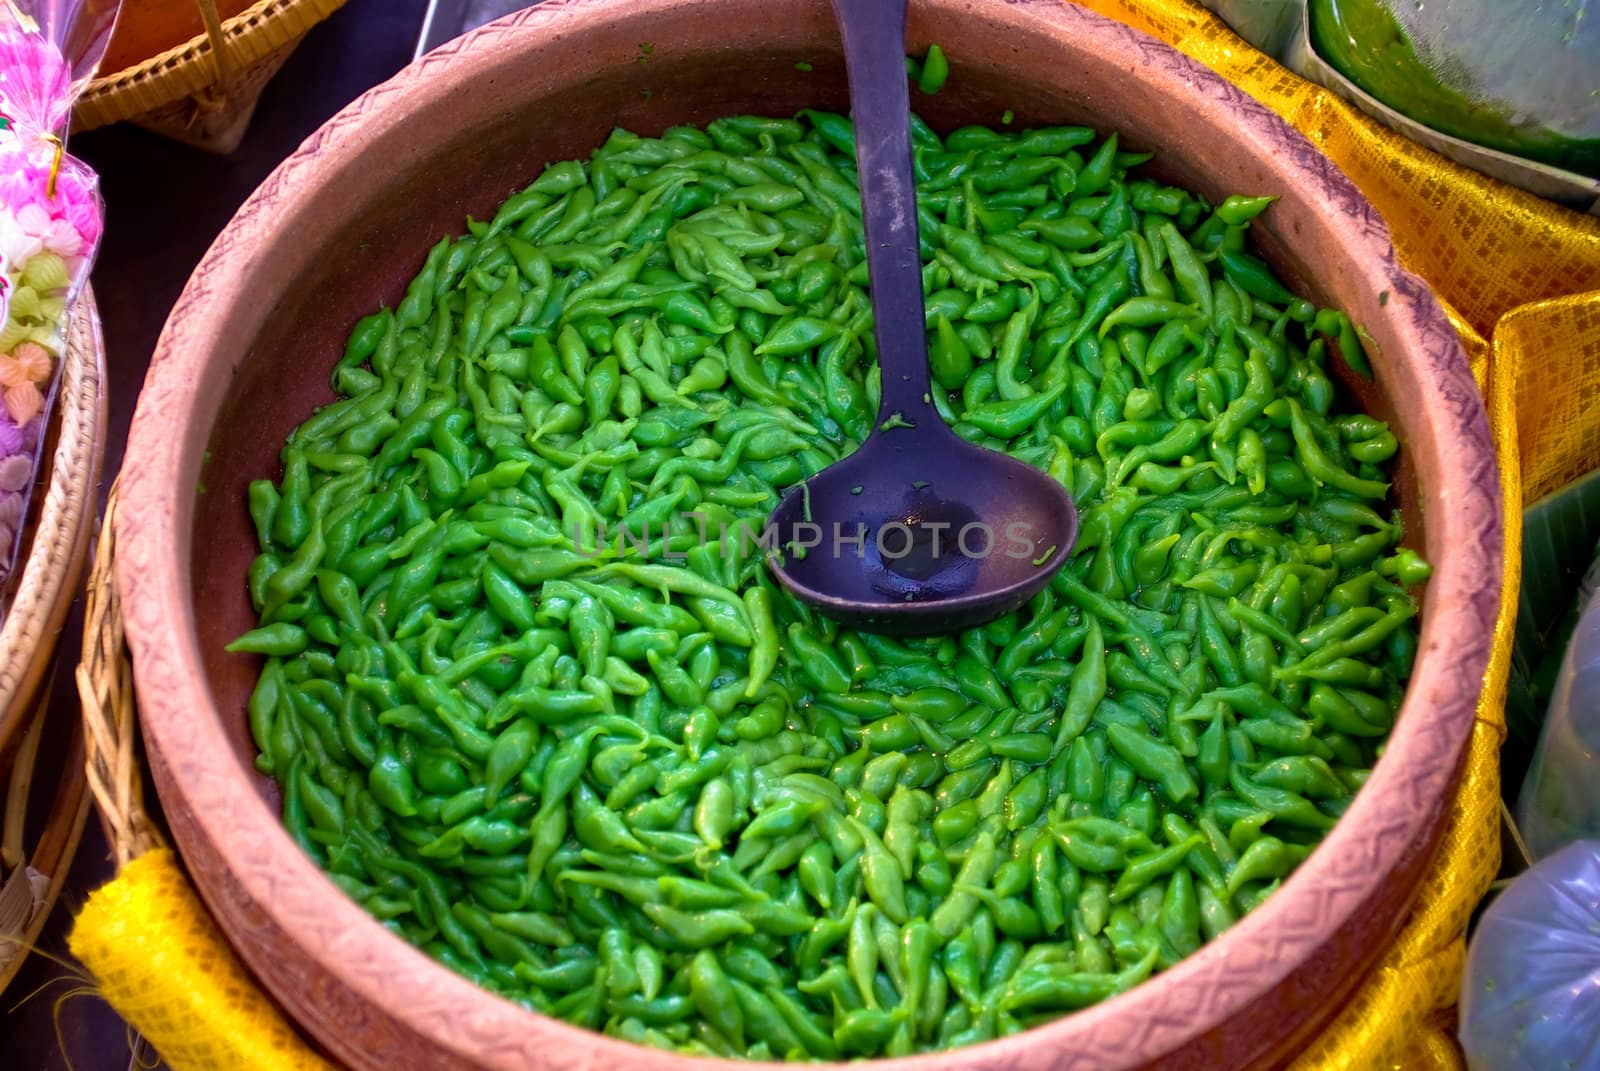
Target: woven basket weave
x=204, y=91
x=33, y=866
x=105, y=687
x=53, y=565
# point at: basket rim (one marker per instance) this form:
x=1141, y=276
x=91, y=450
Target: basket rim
x=255, y=34
x=54, y=564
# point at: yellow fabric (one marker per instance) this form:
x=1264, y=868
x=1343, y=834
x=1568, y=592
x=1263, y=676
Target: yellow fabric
x=161, y=963
x=1557, y=389
x=1511, y=270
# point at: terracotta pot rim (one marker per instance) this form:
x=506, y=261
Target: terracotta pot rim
x=184, y=732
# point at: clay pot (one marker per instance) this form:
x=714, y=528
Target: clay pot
x=344, y=223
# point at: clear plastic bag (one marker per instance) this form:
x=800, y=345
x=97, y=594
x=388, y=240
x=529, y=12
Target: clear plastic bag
x=1531, y=997
x=50, y=220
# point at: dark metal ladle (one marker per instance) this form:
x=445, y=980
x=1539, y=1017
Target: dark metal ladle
x=918, y=531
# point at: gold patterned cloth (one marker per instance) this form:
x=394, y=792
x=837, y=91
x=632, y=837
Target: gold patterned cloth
x=1521, y=280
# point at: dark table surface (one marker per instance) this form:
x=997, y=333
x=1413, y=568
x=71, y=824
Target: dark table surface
x=164, y=205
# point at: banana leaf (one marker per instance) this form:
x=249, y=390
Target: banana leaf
x=1559, y=537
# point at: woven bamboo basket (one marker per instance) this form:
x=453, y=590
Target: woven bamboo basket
x=110, y=727
x=34, y=753
x=203, y=92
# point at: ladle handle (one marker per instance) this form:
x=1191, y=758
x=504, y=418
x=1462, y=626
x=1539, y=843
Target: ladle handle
x=874, y=34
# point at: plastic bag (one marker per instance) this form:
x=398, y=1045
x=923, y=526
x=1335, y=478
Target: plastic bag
x=1531, y=997
x=50, y=219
